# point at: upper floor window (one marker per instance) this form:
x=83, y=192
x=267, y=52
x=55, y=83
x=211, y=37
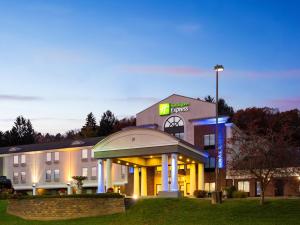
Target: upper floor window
x=84, y=154
x=23, y=177
x=174, y=125
x=92, y=154
x=16, y=160
x=243, y=186
x=48, y=157
x=23, y=159
x=210, y=163
x=209, y=141
x=56, y=156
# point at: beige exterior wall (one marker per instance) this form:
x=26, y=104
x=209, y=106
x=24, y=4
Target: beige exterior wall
x=197, y=109
x=70, y=164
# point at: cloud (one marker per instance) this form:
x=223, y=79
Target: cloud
x=19, y=98
x=168, y=70
x=286, y=103
x=188, y=28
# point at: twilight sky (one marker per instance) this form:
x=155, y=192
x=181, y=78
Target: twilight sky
x=60, y=60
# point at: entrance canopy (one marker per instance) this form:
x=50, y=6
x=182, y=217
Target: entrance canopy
x=144, y=147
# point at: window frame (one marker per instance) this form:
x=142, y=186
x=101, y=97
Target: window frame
x=56, y=156
x=56, y=176
x=86, y=155
x=211, y=141
x=16, y=158
x=23, y=177
x=84, y=170
x=48, y=174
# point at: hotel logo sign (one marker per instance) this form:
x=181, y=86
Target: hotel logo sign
x=169, y=108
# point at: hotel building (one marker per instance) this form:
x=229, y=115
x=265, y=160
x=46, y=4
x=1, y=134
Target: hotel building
x=170, y=152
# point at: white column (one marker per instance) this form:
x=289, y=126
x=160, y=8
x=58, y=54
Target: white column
x=144, y=181
x=33, y=189
x=192, y=178
x=108, y=174
x=100, y=176
x=69, y=190
x=200, y=176
x=136, y=182
x=164, y=172
x=174, y=172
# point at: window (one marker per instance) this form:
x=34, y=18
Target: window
x=131, y=170
x=84, y=154
x=243, y=186
x=48, y=157
x=56, y=156
x=209, y=187
x=209, y=141
x=23, y=159
x=84, y=172
x=23, y=177
x=92, y=154
x=174, y=125
x=48, y=175
x=16, y=178
x=94, y=172
x=56, y=175
x=123, y=171
x=210, y=163
x=16, y=160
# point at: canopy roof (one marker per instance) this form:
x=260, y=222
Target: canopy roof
x=138, y=142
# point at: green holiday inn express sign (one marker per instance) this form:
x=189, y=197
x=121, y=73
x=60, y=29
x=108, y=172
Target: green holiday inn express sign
x=169, y=108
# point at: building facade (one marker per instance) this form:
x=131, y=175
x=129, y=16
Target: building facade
x=170, y=152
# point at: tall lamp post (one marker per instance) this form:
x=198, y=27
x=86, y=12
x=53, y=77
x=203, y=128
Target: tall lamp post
x=217, y=198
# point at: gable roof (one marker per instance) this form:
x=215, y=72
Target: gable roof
x=51, y=145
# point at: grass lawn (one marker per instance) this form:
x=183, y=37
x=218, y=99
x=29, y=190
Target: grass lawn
x=186, y=211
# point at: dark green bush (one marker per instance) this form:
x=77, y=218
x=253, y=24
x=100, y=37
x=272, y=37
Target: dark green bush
x=240, y=194
x=229, y=191
x=200, y=193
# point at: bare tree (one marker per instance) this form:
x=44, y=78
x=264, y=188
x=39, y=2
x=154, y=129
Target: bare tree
x=263, y=157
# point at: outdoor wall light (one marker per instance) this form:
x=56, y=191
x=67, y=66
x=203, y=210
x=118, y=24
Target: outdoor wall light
x=127, y=164
x=135, y=197
x=119, y=161
x=188, y=160
x=180, y=157
x=68, y=184
x=33, y=185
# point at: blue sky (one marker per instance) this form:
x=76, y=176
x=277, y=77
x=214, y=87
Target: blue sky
x=60, y=60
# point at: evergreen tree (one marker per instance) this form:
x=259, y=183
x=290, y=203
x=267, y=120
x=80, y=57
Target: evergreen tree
x=223, y=108
x=107, y=123
x=90, y=127
x=22, y=132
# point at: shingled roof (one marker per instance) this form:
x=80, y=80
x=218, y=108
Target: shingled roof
x=51, y=145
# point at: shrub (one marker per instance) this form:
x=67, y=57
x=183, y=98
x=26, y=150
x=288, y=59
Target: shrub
x=229, y=191
x=240, y=194
x=110, y=190
x=200, y=193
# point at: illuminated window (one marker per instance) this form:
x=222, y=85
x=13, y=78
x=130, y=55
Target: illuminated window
x=16, y=159
x=243, y=186
x=23, y=159
x=56, y=175
x=84, y=153
x=84, y=172
x=174, y=125
x=56, y=156
x=209, y=187
x=23, y=177
x=94, y=172
x=48, y=157
x=209, y=141
x=16, y=177
x=48, y=175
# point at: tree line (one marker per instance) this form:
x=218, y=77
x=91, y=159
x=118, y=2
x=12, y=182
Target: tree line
x=23, y=133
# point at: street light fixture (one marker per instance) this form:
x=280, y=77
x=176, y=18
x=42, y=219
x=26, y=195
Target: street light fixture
x=218, y=68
